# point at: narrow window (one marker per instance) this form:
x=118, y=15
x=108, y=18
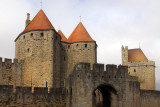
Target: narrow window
x=85, y=45
x=56, y=37
x=28, y=50
x=46, y=84
x=67, y=91
x=68, y=46
x=31, y=34
x=71, y=91
x=64, y=58
x=134, y=70
x=23, y=37
x=42, y=34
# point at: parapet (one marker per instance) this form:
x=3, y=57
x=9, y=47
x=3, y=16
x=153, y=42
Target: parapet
x=39, y=90
x=10, y=61
x=82, y=66
x=149, y=93
x=23, y=89
x=110, y=67
x=28, y=90
x=98, y=69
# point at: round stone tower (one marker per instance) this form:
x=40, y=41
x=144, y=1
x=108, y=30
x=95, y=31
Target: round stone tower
x=81, y=48
x=39, y=46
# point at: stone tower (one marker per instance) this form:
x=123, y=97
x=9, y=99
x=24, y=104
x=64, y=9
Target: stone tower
x=64, y=58
x=39, y=46
x=80, y=48
x=140, y=66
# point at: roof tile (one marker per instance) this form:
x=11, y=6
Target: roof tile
x=40, y=22
x=64, y=39
x=136, y=55
x=80, y=34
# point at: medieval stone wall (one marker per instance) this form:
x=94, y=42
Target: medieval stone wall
x=150, y=98
x=11, y=72
x=25, y=97
x=40, y=51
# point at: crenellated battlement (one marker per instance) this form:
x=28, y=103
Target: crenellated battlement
x=11, y=72
x=112, y=71
x=25, y=95
x=10, y=61
x=28, y=90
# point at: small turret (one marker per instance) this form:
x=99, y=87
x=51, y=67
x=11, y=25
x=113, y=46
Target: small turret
x=28, y=19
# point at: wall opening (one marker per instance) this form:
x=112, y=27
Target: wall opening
x=31, y=34
x=85, y=45
x=102, y=96
x=28, y=50
x=42, y=34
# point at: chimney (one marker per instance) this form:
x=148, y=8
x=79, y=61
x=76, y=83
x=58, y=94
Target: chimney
x=28, y=19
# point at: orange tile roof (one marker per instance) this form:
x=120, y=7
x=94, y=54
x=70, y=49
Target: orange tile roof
x=64, y=39
x=80, y=34
x=40, y=22
x=136, y=55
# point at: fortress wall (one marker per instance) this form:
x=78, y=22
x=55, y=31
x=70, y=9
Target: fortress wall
x=23, y=96
x=11, y=72
x=40, y=51
x=134, y=94
x=150, y=98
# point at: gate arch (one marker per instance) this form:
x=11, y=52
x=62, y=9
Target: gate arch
x=104, y=96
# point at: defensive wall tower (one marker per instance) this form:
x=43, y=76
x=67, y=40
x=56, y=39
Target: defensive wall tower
x=63, y=58
x=39, y=46
x=140, y=66
x=80, y=48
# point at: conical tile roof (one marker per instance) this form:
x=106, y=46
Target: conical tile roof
x=40, y=22
x=64, y=39
x=136, y=55
x=80, y=34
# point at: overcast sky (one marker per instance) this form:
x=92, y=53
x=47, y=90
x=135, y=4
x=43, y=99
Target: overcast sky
x=112, y=23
